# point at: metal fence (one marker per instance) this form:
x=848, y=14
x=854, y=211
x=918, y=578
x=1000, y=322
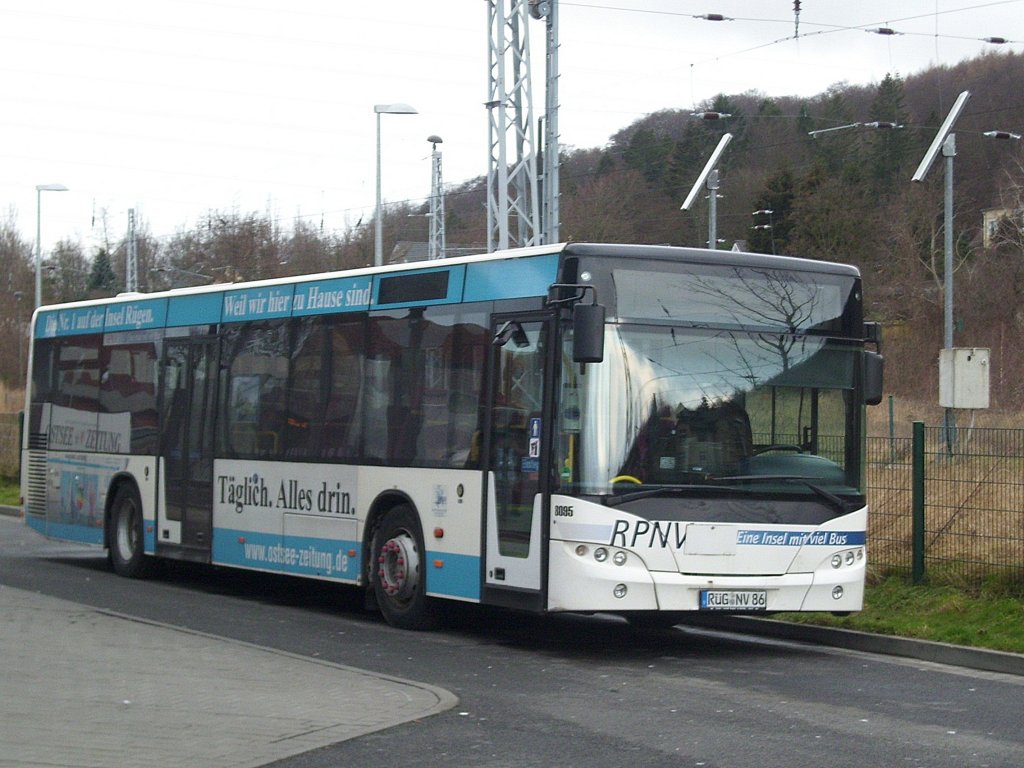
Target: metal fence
x=949, y=508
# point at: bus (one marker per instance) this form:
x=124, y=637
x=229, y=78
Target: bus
x=640, y=430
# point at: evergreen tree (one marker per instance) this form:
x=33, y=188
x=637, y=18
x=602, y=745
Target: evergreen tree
x=837, y=151
x=67, y=274
x=890, y=147
x=649, y=154
x=777, y=197
x=102, y=280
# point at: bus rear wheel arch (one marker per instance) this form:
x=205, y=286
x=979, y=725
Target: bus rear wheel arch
x=397, y=570
x=126, y=533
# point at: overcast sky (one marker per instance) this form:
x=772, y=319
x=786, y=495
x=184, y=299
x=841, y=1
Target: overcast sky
x=179, y=107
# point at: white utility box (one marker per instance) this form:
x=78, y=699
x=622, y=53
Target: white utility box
x=964, y=377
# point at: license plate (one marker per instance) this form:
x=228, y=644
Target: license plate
x=733, y=600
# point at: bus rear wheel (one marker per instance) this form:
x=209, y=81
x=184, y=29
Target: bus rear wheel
x=125, y=535
x=399, y=572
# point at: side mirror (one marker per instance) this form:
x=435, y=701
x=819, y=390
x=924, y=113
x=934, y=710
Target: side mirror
x=588, y=333
x=873, y=333
x=873, y=368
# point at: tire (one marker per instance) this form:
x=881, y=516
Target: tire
x=125, y=536
x=398, y=571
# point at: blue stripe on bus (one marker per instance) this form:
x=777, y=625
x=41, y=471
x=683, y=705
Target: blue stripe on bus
x=85, y=534
x=801, y=538
x=486, y=281
x=70, y=322
x=343, y=294
x=298, y=555
x=135, y=315
x=459, y=576
x=198, y=309
x=510, y=279
x=311, y=556
x=263, y=303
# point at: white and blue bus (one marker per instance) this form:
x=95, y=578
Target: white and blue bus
x=641, y=430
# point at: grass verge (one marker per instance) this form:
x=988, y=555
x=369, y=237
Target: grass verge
x=10, y=491
x=990, y=616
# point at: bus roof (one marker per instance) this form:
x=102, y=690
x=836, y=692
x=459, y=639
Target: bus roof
x=708, y=256
x=518, y=273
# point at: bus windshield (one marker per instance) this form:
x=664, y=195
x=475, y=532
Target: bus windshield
x=695, y=409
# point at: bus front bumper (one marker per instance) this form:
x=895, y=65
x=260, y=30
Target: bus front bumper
x=581, y=582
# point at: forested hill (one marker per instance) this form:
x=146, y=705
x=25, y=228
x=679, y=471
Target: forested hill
x=832, y=194
x=844, y=195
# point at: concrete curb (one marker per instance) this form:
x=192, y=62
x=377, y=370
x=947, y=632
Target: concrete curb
x=10, y=511
x=922, y=650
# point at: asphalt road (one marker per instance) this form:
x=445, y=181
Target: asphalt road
x=573, y=690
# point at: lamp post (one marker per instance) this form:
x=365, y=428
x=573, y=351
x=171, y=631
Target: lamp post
x=40, y=188
x=378, y=231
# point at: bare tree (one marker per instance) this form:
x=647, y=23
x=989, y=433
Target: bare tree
x=603, y=208
x=67, y=273
x=15, y=301
x=1009, y=233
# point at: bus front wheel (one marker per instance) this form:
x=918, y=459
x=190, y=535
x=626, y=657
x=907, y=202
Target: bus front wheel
x=125, y=535
x=398, y=573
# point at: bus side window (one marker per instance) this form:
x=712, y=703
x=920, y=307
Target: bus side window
x=257, y=361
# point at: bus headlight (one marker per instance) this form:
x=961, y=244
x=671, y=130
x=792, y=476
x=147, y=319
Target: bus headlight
x=847, y=558
x=837, y=592
x=600, y=554
x=619, y=558
x=620, y=591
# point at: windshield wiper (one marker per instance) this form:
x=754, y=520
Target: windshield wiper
x=836, y=503
x=624, y=498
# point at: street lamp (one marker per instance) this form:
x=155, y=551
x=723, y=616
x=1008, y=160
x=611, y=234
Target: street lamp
x=378, y=240
x=40, y=188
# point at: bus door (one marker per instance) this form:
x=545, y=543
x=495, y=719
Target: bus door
x=516, y=462
x=188, y=408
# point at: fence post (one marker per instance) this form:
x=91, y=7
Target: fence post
x=917, y=561
x=892, y=431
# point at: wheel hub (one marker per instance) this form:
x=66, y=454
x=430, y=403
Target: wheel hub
x=398, y=566
x=126, y=534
